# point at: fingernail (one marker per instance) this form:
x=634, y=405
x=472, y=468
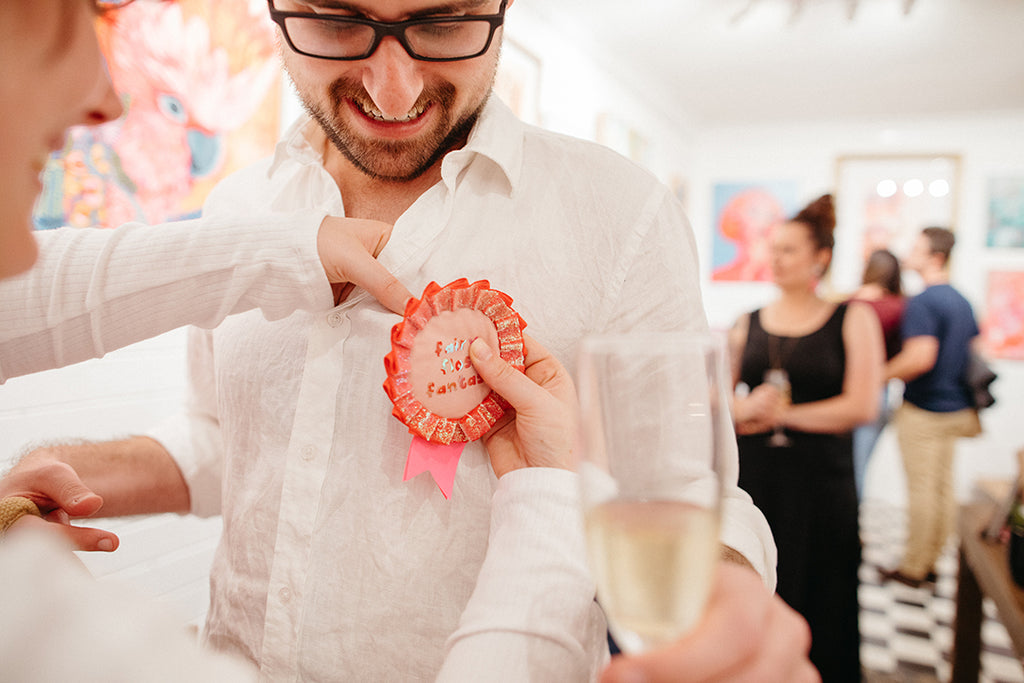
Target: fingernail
x=105, y=545
x=481, y=349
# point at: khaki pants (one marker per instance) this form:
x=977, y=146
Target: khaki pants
x=927, y=441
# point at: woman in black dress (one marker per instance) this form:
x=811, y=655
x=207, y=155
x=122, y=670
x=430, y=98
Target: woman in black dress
x=807, y=372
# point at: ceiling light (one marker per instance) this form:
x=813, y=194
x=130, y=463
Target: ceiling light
x=913, y=187
x=795, y=8
x=938, y=188
x=886, y=188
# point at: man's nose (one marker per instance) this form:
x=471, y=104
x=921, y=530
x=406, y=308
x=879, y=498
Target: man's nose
x=392, y=78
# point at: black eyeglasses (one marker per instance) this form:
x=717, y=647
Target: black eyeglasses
x=347, y=38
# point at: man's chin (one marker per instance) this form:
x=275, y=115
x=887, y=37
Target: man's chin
x=394, y=168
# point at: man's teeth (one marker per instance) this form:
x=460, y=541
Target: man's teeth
x=375, y=113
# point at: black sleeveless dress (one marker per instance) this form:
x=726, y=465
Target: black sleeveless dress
x=808, y=495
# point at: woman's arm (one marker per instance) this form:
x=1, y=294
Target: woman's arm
x=93, y=291
x=756, y=411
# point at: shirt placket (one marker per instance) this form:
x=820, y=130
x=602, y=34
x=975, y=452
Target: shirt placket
x=307, y=457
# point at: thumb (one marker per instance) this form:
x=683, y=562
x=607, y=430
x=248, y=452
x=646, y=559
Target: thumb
x=64, y=487
x=514, y=386
x=82, y=502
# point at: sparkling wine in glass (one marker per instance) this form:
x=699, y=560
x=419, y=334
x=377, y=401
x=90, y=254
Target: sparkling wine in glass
x=655, y=442
x=779, y=378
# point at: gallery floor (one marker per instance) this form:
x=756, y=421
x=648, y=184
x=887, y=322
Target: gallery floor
x=906, y=633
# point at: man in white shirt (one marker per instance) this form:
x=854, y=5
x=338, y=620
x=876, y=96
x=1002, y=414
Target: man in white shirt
x=331, y=566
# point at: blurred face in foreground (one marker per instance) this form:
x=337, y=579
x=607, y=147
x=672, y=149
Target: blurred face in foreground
x=52, y=76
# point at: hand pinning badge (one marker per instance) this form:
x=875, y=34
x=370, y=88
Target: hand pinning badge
x=435, y=390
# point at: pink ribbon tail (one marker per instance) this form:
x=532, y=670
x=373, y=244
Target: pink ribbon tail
x=439, y=459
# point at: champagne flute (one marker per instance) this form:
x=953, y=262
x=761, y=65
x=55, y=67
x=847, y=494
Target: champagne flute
x=655, y=429
x=779, y=378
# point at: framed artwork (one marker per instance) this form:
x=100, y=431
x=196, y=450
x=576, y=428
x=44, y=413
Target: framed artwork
x=1006, y=212
x=744, y=216
x=200, y=82
x=615, y=132
x=517, y=82
x=883, y=202
x=1002, y=328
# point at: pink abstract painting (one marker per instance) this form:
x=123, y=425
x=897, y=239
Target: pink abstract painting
x=745, y=216
x=200, y=82
x=1002, y=329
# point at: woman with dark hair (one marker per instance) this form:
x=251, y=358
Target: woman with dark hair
x=883, y=291
x=807, y=372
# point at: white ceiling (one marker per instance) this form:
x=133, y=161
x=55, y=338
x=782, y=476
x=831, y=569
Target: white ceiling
x=741, y=61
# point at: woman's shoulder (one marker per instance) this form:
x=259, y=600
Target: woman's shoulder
x=740, y=330
x=859, y=317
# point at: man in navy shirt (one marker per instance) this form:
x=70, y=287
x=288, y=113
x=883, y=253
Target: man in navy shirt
x=938, y=326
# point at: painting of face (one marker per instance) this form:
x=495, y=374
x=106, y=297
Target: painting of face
x=745, y=216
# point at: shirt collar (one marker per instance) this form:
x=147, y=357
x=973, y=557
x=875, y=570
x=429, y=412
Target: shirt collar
x=497, y=136
x=302, y=142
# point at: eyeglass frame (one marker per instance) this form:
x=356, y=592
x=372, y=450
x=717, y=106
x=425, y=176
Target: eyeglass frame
x=110, y=5
x=383, y=29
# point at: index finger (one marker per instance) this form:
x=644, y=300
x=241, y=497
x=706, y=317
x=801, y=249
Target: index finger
x=79, y=538
x=367, y=272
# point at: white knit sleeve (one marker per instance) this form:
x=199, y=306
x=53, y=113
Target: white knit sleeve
x=532, y=615
x=93, y=291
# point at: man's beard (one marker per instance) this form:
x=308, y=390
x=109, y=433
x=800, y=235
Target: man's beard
x=393, y=160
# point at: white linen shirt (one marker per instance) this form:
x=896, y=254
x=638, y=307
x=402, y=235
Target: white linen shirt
x=330, y=566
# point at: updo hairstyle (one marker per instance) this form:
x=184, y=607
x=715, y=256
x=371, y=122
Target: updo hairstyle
x=820, y=219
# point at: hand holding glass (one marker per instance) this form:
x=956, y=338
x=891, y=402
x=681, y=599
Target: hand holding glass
x=655, y=433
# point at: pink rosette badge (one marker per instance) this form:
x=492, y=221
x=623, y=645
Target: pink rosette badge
x=435, y=390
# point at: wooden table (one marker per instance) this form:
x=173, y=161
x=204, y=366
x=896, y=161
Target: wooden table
x=984, y=572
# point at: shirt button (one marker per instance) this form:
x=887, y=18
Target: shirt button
x=308, y=452
x=285, y=594
x=335, y=318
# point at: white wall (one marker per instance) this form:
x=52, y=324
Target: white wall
x=989, y=145
x=576, y=92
